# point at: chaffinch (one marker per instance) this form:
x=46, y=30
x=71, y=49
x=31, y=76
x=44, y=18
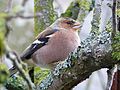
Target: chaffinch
x=54, y=44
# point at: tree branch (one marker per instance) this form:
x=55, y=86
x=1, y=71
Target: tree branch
x=48, y=15
x=9, y=6
x=9, y=17
x=19, y=65
x=114, y=16
x=94, y=54
x=24, y=2
x=79, y=65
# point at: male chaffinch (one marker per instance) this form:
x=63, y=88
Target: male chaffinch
x=54, y=43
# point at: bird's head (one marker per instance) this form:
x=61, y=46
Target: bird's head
x=67, y=23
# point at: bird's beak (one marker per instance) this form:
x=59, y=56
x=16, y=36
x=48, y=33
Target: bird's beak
x=76, y=25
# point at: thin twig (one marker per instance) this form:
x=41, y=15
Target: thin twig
x=24, y=2
x=22, y=16
x=15, y=59
x=10, y=17
x=7, y=23
x=12, y=55
x=118, y=25
x=114, y=15
x=8, y=28
x=9, y=6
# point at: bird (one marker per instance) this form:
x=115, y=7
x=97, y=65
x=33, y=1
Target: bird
x=54, y=43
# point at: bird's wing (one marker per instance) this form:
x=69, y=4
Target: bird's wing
x=46, y=32
x=40, y=41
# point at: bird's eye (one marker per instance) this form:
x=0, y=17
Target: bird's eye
x=70, y=22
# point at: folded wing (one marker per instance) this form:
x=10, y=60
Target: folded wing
x=41, y=40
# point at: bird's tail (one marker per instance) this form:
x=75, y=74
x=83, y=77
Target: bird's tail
x=27, y=53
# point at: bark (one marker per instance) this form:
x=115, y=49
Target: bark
x=72, y=10
x=96, y=17
x=47, y=14
x=106, y=14
x=114, y=16
x=78, y=9
x=116, y=76
x=79, y=65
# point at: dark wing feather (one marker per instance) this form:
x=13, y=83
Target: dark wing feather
x=40, y=42
x=33, y=47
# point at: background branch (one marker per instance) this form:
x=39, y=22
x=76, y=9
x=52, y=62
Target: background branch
x=19, y=65
x=114, y=16
x=48, y=15
x=9, y=6
x=24, y=2
x=36, y=15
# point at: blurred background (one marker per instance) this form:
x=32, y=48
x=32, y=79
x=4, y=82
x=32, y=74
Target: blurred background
x=22, y=29
x=22, y=34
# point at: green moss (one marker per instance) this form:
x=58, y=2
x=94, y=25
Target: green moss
x=4, y=73
x=39, y=75
x=118, y=12
x=2, y=33
x=73, y=9
x=1, y=43
x=45, y=8
x=116, y=47
x=2, y=23
x=16, y=83
x=84, y=4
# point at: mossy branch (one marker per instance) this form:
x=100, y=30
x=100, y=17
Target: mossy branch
x=48, y=15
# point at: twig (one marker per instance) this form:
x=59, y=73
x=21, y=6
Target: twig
x=8, y=18
x=118, y=25
x=114, y=15
x=12, y=55
x=110, y=74
x=22, y=16
x=7, y=23
x=9, y=6
x=8, y=28
x=15, y=59
x=24, y=2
